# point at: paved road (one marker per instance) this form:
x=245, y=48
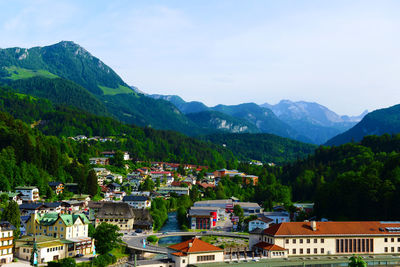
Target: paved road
x=136, y=242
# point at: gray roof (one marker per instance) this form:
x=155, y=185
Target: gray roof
x=135, y=198
x=115, y=209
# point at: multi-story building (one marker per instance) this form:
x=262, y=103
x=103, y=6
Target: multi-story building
x=137, y=202
x=249, y=208
x=171, y=189
x=6, y=242
x=327, y=238
x=28, y=193
x=58, y=225
x=57, y=187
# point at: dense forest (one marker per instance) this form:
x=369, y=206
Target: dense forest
x=263, y=147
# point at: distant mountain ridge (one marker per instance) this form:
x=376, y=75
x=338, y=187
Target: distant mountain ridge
x=378, y=122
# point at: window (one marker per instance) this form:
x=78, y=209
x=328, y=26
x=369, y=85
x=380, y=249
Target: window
x=315, y=251
x=55, y=228
x=315, y=240
x=206, y=258
x=322, y=240
x=294, y=251
x=301, y=251
x=386, y=249
x=398, y=249
x=294, y=241
x=183, y=261
x=308, y=251
x=322, y=250
x=301, y=241
x=398, y=239
x=392, y=239
x=287, y=241
x=386, y=239
x=392, y=249
x=308, y=241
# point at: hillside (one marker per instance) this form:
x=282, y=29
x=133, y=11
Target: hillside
x=378, y=122
x=217, y=121
x=263, y=147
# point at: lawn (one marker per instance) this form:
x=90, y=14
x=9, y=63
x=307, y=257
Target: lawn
x=21, y=73
x=114, y=91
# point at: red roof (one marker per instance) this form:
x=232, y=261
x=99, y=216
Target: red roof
x=197, y=246
x=205, y=185
x=269, y=247
x=331, y=228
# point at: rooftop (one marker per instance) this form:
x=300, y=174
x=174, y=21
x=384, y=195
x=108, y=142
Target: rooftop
x=192, y=246
x=333, y=228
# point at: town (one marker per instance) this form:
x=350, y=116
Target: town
x=132, y=202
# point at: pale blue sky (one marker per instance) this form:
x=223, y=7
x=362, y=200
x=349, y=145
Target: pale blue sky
x=342, y=54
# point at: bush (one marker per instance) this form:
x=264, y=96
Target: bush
x=152, y=239
x=104, y=260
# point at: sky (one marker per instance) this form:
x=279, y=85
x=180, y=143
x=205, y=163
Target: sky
x=342, y=54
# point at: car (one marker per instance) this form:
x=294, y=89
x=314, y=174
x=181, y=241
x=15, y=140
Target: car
x=134, y=234
x=165, y=233
x=139, y=231
x=204, y=232
x=78, y=255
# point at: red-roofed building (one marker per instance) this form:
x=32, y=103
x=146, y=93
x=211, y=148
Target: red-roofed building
x=330, y=238
x=195, y=251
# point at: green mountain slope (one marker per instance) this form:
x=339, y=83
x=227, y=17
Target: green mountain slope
x=60, y=91
x=378, y=122
x=263, y=147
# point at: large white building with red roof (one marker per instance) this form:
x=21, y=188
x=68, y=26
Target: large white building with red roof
x=195, y=251
x=327, y=238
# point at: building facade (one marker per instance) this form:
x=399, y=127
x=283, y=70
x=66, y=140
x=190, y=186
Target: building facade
x=137, y=202
x=6, y=242
x=28, y=193
x=328, y=238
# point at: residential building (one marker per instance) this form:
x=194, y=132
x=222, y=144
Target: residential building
x=15, y=196
x=28, y=193
x=137, y=202
x=327, y=238
x=195, y=251
x=171, y=189
x=111, y=154
x=57, y=187
x=114, y=187
x=99, y=161
x=122, y=215
x=261, y=222
x=64, y=226
x=278, y=217
x=249, y=208
x=6, y=242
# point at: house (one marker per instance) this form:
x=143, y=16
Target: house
x=278, y=217
x=15, y=196
x=57, y=187
x=170, y=189
x=306, y=207
x=99, y=161
x=80, y=137
x=327, y=238
x=26, y=209
x=160, y=174
x=116, y=213
x=28, y=193
x=111, y=154
x=261, y=222
x=6, y=244
x=57, y=225
x=114, y=187
x=203, y=217
x=179, y=184
x=137, y=202
x=114, y=177
x=52, y=249
x=72, y=205
x=195, y=251
x=122, y=215
x=101, y=171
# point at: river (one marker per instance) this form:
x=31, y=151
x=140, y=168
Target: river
x=171, y=225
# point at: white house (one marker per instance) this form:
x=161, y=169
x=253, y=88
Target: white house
x=261, y=222
x=278, y=217
x=28, y=193
x=137, y=202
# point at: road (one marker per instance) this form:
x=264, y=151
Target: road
x=136, y=241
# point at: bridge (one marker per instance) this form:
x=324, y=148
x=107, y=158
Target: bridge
x=136, y=242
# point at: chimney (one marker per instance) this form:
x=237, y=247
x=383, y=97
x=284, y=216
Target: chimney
x=314, y=225
x=190, y=244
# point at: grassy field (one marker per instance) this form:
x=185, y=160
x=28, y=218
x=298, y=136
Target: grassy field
x=20, y=73
x=114, y=91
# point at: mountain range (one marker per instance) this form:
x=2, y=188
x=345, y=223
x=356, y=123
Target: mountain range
x=67, y=74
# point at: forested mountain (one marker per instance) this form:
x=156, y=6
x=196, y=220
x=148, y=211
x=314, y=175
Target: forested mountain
x=378, y=122
x=218, y=121
x=263, y=118
x=262, y=147
x=313, y=120
x=182, y=105
x=359, y=181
